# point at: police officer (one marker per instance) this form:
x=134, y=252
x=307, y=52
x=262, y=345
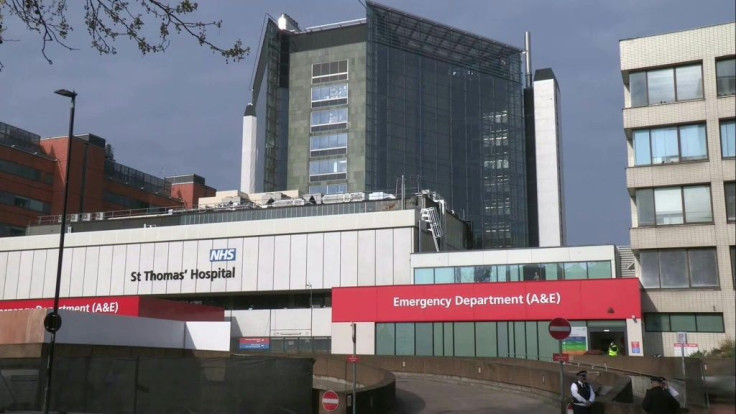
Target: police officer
x=613, y=349
x=658, y=399
x=582, y=394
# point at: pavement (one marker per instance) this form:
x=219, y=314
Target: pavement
x=431, y=395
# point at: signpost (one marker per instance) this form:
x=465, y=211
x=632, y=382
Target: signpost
x=355, y=365
x=559, y=328
x=330, y=401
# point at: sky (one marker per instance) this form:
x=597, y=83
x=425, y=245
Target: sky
x=180, y=112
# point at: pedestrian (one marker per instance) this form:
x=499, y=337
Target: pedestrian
x=658, y=399
x=582, y=394
x=613, y=349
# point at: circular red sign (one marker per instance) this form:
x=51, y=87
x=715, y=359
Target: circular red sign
x=330, y=400
x=559, y=328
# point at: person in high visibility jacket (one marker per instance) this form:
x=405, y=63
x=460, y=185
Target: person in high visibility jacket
x=613, y=349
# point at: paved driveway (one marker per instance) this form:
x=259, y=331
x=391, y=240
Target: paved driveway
x=431, y=395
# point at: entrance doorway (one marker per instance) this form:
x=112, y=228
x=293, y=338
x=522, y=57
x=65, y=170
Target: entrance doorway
x=601, y=339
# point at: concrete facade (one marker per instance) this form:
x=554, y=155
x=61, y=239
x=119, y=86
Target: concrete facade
x=703, y=46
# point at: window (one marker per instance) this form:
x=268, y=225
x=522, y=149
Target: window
x=726, y=76
x=329, y=169
x=329, y=120
x=671, y=144
x=335, y=144
x=25, y=171
x=514, y=273
x=728, y=138
x=24, y=202
x=679, y=268
x=329, y=188
x=730, y=190
x=733, y=264
x=330, y=71
x=327, y=95
x=664, y=206
x=684, y=322
x=662, y=86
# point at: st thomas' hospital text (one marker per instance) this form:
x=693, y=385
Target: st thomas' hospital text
x=553, y=298
x=151, y=276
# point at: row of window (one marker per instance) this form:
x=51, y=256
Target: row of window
x=24, y=202
x=680, y=143
x=681, y=83
x=681, y=205
x=326, y=120
x=330, y=71
x=684, y=322
x=334, y=144
x=24, y=171
x=338, y=188
x=679, y=268
x=123, y=201
x=523, y=339
x=514, y=273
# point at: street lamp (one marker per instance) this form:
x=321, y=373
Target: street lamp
x=52, y=322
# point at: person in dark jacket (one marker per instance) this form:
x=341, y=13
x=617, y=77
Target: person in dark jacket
x=583, y=394
x=658, y=400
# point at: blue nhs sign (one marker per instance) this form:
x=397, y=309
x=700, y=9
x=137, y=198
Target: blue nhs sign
x=222, y=255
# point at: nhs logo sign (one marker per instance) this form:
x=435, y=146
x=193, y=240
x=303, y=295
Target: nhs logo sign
x=222, y=255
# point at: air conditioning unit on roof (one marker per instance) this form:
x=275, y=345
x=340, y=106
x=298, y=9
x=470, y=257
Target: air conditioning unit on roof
x=86, y=216
x=100, y=215
x=74, y=218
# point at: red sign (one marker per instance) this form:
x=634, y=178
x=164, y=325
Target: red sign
x=508, y=301
x=559, y=328
x=141, y=306
x=561, y=357
x=330, y=400
x=353, y=359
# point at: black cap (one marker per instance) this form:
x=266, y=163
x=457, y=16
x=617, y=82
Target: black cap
x=656, y=379
x=583, y=372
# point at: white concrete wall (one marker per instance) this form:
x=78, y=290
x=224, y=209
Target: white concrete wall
x=280, y=322
x=342, y=338
x=101, y=329
x=270, y=255
x=548, y=143
x=248, y=155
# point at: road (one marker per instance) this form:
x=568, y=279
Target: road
x=435, y=396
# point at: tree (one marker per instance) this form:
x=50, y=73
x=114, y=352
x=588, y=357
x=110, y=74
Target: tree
x=106, y=20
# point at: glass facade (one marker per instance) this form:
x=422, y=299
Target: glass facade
x=514, y=272
x=445, y=109
x=521, y=339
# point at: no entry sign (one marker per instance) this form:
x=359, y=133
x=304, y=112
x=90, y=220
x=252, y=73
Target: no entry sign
x=559, y=328
x=330, y=400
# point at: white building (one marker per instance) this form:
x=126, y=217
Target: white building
x=679, y=109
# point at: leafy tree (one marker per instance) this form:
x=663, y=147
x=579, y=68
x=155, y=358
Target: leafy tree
x=148, y=23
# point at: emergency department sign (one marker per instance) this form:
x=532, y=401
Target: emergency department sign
x=607, y=299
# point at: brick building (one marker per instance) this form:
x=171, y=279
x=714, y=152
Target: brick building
x=33, y=175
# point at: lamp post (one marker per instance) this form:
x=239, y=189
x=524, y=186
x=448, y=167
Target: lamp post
x=52, y=322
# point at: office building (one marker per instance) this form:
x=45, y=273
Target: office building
x=33, y=177
x=394, y=101
x=679, y=111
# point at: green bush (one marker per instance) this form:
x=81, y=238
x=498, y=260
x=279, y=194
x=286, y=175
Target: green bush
x=724, y=350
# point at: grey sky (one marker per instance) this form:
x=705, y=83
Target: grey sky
x=181, y=112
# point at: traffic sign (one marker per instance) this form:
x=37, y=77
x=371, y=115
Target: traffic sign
x=559, y=328
x=561, y=357
x=52, y=322
x=330, y=400
x=353, y=359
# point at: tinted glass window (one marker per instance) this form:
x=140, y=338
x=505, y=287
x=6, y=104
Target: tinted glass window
x=599, y=270
x=657, y=322
x=730, y=189
x=642, y=151
x=649, y=262
x=664, y=145
x=697, y=204
x=689, y=82
x=728, y=139
x=638, y=88
x=726, y=77
x=575, y=271
x=645, y=206
x=683, y=323
x=692, y=142
x=673, y=268
x=661, y=84
x=703, y=268
x=668, y=203
x=709, y=323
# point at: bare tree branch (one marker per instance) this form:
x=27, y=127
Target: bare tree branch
x=106, y=20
